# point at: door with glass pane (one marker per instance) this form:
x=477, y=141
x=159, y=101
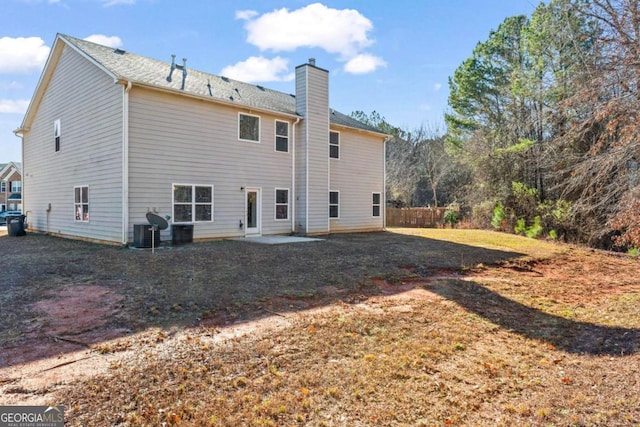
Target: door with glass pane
x=252, y=208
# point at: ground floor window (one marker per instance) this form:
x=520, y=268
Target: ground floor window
x=376, y=204
x=192, y=203
x=334, y=204
x=282, y=203
x=81, y=203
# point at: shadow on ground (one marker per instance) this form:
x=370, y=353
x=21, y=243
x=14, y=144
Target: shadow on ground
x=564, y=334
x=60, y=295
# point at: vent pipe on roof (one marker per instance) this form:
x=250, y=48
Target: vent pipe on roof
x=173, y=67
x=184, y=72
x=182, y=67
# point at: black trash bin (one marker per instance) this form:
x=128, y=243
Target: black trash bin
x=181, y=234
x=15, y=225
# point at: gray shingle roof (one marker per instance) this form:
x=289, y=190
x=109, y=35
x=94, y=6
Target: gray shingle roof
x=139, y=69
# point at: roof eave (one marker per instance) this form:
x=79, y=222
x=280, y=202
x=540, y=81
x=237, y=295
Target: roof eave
x=370, y=132
x=208, y=98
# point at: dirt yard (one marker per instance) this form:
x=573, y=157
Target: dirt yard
x=414, y=327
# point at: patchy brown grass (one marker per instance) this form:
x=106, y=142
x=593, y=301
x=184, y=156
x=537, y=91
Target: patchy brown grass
x=548, y=336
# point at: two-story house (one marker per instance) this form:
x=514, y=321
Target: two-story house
x=10, y=186
x=110, y=135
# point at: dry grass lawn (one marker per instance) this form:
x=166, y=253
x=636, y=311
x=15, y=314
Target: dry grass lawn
x=548, y=336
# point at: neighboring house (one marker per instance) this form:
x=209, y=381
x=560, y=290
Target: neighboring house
x=10, y=187
x=110, y=135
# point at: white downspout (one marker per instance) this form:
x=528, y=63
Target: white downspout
x=125, y=162
x=383, y=202
x=293, y=177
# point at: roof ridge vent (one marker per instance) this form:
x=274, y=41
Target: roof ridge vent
x=119, y=51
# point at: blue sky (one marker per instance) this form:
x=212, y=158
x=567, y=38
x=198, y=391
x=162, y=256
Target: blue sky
x=391, y=57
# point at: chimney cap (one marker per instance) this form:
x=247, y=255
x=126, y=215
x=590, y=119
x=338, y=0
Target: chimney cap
x=312, y=61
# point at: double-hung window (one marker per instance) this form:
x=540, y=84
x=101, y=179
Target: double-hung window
x=282, y=203
x=334, y=145
x=56, y=135
x=334, y=204
x=3, y=186
x=81, y=203
x=15, y=186
x=192, y=203
x=376, y=204
x=248, y=127
x=282, y=136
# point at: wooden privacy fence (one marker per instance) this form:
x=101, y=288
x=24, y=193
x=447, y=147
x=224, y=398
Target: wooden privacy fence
x=415, y=217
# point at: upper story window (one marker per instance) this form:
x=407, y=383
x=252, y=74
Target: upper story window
x=15, y=186
x=282, y=136
x=334, y=145
x=3, y=187
x=81, y=203
x=192, y=203
x=56, y=135
x=376, y=204
x=248, y=127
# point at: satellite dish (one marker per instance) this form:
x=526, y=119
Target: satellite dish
x=157, y=221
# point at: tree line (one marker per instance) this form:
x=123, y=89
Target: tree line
x=542, y=133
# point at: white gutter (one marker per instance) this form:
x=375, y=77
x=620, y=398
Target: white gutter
x=293, y=176
x=235, y=105
x=125, y=162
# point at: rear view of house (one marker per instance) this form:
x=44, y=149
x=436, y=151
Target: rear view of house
x=110, y=135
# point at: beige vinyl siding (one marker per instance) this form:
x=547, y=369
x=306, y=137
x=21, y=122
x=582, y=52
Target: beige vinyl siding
x=89, y=106
x=358, y=174
x=174, y=139
x=315, y=127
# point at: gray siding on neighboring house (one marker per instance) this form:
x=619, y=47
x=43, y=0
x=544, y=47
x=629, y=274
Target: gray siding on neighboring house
x=89, y=106
x=357, y=175
x=180, y=140
x=312, y=102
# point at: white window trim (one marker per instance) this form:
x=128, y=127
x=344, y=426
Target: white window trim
x=11, y=187
x=3, y=186
x=193, y=203
x=75, y=205
x=376, y=204
x=276, y=204
x=337, y=145
x=275, y=138
x=259, y=126
x=333, y=204
x=57, y=133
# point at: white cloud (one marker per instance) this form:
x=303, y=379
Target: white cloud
x=364, y=63
x=437, y=86
x=246, y=14
x=22, y=55
x=111, y=41
x=259, y=69
x=14, y=85
x=342, y=32
x=13, y=106
x=109, y=3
